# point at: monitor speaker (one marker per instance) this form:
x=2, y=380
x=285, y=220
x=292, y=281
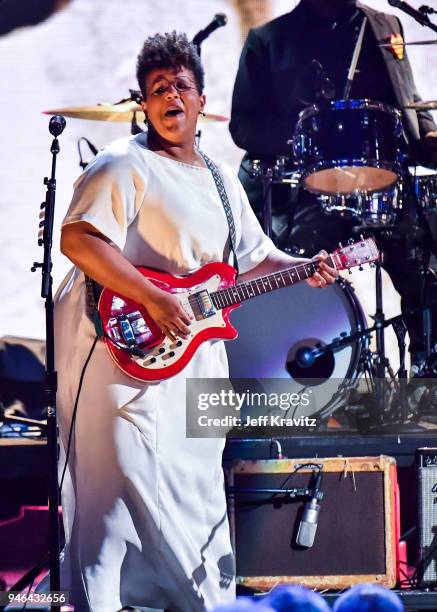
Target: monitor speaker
x=426, y=460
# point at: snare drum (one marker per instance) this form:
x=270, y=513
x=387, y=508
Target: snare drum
x=348, y=147
x=371, y=210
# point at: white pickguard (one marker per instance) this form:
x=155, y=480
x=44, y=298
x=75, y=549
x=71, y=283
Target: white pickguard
x=163, y=358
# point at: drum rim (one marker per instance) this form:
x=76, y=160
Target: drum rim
x=364, y=104
x=359, y=321
x=352, y=104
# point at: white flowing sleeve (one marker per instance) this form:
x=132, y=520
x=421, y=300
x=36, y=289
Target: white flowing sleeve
x=109, y=193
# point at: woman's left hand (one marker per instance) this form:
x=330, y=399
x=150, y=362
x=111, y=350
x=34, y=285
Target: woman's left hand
x=325, y=275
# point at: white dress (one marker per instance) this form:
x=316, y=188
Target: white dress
x=144, y=507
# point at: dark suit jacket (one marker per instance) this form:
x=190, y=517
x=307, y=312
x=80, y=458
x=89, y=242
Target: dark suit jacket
x=264, y=106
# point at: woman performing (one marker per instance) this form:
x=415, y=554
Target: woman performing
x=144, y=506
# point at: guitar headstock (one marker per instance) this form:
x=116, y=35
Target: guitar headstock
x=355, y=254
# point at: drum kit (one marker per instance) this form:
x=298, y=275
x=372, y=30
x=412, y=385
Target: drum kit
x=347, y=153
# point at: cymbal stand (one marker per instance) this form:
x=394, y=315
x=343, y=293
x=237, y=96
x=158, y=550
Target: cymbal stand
x=400, y=330
x=270, y=175
x=430, y=246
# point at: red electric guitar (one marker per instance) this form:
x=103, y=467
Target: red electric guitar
x=142, y=351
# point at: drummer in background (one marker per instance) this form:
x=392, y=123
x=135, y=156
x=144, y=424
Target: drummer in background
x=302, y=58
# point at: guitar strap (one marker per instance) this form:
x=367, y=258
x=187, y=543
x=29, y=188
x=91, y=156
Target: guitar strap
x=218, y=180
x=93, y=289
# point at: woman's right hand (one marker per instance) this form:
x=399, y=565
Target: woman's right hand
x=168, y=313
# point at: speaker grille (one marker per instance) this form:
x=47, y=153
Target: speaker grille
x=427, y=481
x=357, y=526
x=349, y=537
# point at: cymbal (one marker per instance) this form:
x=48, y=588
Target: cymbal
x=408, y=44
x=431, y=105
x=124, y=111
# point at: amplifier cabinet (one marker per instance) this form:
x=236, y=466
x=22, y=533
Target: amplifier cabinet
x=357, y=533
x=426, y=460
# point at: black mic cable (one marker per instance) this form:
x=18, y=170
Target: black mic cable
x=92, y=148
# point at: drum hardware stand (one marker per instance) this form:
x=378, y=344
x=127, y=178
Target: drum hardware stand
x=432, y=247
x=269, y=176
x=56, y=127
x=381, y=359
x=399, y=327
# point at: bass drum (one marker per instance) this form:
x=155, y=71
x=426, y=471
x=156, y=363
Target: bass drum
x=275, y=331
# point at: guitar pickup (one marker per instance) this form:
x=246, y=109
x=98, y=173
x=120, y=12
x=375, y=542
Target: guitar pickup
x=126, y=330
x=204, y=303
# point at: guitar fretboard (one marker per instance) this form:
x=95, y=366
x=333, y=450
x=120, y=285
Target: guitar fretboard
x=264, y=284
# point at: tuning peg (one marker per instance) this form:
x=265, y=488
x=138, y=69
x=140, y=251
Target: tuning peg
x=350, y=241
x=372, y=265
x=362, y=237
x=340, y=244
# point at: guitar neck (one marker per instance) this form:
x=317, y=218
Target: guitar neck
x=265, y=284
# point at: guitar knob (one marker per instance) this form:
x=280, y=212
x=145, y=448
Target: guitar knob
x=179, y=343
x=153, y=360
x=162, y=350
x=171, y=354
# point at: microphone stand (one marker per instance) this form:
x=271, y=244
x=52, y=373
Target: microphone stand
x=419, y=15
x=56, y=126
x=218, y=21
x=399, y=327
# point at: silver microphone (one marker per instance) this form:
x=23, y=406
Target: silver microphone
x=310, y=517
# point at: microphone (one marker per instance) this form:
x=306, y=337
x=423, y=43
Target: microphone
x=310, y=517
x=306, y=356
x=56, y=125
x=219, y=20
x=403, y=6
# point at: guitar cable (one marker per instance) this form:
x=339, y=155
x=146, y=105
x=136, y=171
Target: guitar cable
x=73, y=417
x=44, y=559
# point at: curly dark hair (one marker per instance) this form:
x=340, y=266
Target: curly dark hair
x=169, y=50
